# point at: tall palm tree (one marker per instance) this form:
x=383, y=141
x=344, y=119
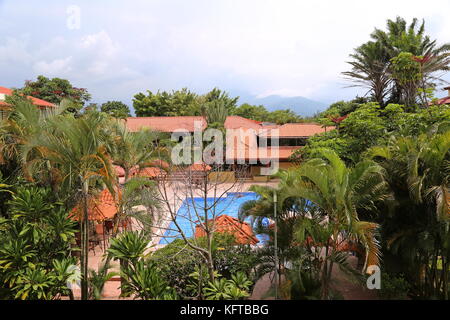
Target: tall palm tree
x=76, y=149
x=131, y=150
x=370, y=70
x=372, y=61
x=288, y=214
x=340, y=192
x=24, y=121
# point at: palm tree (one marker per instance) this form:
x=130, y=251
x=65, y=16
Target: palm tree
x=417, y=232
x=24, y=121
x=340, y=192
x=371, y=65
x=132, y=150
x=76, y=149
x=370, y=70
x=216, y=114
x=288, y=214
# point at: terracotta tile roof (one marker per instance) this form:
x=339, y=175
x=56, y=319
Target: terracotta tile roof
x=170, y=124
x=149, y=172
x=242, y=231
x=199, y=167
x=296, y=130
x=442, y=101
x=236, y=122
x=102, y=207
x=35, y=101
x=164, y=124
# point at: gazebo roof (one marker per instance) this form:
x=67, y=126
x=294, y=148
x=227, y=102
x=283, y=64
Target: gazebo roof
x=241, y=231
x=101, y=207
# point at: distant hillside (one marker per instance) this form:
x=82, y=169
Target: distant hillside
x=300, y=105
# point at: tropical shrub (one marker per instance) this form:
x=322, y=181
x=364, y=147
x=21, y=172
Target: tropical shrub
x=393, y=287
x=178, y=262
x=35, y=243
x=236, y=288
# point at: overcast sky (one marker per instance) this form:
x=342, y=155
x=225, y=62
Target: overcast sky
x=255, y=47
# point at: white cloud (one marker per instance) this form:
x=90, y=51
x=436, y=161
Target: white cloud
x=257, y=46
x=55, y=67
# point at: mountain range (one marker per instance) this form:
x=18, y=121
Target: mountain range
x=302, y=106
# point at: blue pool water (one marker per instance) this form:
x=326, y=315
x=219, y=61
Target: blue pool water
x=186, y=215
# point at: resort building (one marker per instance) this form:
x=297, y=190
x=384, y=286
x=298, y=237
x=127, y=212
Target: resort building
x=255, y=137
x=5, y=108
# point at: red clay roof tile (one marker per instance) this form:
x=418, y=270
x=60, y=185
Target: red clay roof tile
x=35, y=101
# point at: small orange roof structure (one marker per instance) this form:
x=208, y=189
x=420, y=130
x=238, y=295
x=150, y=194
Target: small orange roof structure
x=35, y=101
x=199, y=166
x=102, y=207
x=242, y=231
x=159, y=163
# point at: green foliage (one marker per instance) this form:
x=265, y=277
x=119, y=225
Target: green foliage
x=405, y=69
x=178, y=262
x=217, y=95
x=370, y=125
x=384, y=64
x=283, y=116
x=175, y=103
x=143, y=279
x=129, y=245
x=116, y=109
x=236, y=288
x=416, y=228
x=393, y=287
x=301, y=284
x=55, y=90
x=97, y=280
x=260, y=113
x=35, y=241
x=216, y=114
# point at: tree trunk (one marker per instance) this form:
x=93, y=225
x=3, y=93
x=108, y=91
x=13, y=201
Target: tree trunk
x=210, y=258
x=85, y=243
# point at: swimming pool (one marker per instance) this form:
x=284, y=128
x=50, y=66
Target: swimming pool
x=228, y=205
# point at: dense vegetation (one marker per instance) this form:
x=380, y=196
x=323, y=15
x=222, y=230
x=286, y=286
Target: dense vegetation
x=375, y=185
x=186, y=103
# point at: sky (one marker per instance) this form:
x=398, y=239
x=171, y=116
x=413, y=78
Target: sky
x=116, y=49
